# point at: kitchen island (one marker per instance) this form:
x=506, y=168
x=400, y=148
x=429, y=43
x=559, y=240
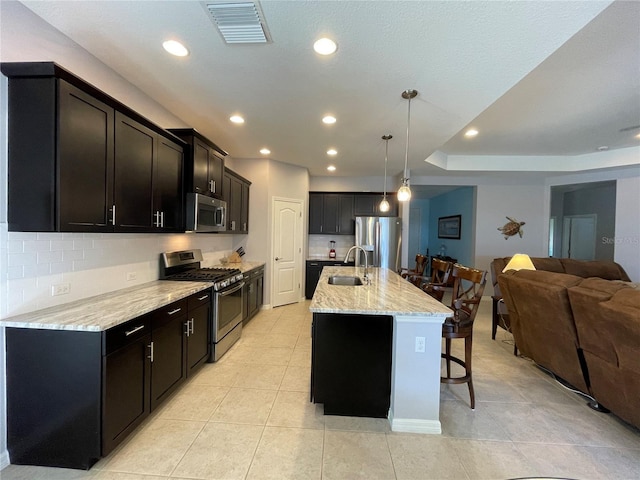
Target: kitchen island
x=413, y=318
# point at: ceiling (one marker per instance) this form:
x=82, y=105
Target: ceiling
x=535, y=78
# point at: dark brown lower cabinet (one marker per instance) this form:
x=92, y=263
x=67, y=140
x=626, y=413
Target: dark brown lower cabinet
x=351, y=364
x=73, y=396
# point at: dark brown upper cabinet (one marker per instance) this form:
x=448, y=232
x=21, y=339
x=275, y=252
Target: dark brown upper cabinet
x=81, y=161
x=204, y=163
x=236, y=194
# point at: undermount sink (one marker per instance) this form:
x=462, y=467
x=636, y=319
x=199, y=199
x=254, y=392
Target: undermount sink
x=345, y=280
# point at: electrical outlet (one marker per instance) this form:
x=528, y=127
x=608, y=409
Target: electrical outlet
x=419, y=344
x=60, y=289
x=132, y=276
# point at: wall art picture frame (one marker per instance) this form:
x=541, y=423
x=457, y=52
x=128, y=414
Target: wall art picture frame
x=449, y=227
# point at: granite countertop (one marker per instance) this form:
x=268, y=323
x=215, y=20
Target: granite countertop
x=388, y=294
x=104, y=311
x=244, y=266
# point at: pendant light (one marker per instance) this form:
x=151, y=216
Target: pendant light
x=384, y=204
x=404, y=192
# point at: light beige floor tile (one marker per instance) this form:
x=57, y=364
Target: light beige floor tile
x=288, y=453
x=155, y=449
x=219, y=374
x=275, y=355
x=304, y=341
x=243, y=353
x=29, y=472
x=618, y=463
x=566, y=461
x=357, y=424
x=194, y=402
x=221, y=451
x=354, y=455
x=259, y=325
x=293, y=409
x=104, y=475
x=301, y=357
x=425, y=456
x=266, y=377
x=458, y=420
x=296, y=379
x=243, y=405
x=489, y=459
x=272, y=340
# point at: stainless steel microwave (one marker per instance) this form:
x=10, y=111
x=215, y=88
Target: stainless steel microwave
x=206, y=214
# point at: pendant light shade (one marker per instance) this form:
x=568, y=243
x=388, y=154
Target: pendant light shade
x=384, y=204
x=404, y=192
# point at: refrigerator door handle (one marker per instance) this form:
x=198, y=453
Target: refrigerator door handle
x=376, y=253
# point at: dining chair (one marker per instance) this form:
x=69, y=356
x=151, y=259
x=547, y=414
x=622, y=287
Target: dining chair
x=468, y=287
x=415, y=275
x=439, y=282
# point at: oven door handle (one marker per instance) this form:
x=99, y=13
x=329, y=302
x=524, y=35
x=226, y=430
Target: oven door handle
x=233, y=290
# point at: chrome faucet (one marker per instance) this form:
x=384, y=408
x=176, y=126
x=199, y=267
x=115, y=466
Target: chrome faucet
x=366, y=261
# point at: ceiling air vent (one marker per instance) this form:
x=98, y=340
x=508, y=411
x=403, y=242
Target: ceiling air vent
x=239, y=22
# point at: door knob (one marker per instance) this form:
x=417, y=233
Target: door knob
x=277, y=258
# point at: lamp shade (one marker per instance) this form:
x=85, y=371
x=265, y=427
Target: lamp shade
x=384, y=205
x=520, y=261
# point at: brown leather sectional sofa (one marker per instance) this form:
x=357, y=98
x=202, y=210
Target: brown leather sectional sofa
x=584, y=330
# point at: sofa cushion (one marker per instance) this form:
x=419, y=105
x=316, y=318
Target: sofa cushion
x=601, y=269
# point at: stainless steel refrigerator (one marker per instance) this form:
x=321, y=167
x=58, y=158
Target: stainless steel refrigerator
x=381, y=239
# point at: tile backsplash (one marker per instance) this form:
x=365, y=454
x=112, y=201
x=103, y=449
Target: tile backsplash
x=319, y=245
x=86, y=264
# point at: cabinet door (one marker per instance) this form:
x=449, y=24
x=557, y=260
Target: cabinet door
x=216, y=172
x=315, y=212
x=234, y=203
x=167, y=365
x=200, y=167
x=346, y=223
x=259, y=291
x=244, y=210
x=126, y=392
x=85, y=156
x=330, y=213
x=365, y=205
x=135, y=153
x=198, y=337
x=313, y=271
x=168, y=209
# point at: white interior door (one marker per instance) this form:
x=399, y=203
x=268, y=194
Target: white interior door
x=579, y=237
x=287, y=251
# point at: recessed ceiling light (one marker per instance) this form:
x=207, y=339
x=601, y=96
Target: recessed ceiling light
x=332, y=151
x=638, y=136
x=236, y=119
x=325, y=46
x=472, y=132
x=265, y=151
x=329, y=119
x=331, y=168
x=175, y=48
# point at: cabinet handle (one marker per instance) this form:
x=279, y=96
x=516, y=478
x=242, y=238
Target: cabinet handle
x=113, y=214
x=203, y=297
x=186, y=324
x=212, y=186
x=192, y=322
x=162, y=219
x=244, y=227
x=150, y=357
x=131, y=332
x=321, y=228
x=156, y=218
x=172, y=312
x=233, y=225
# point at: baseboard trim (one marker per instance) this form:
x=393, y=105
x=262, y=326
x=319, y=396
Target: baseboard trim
x=4, y=459
x=415, y=425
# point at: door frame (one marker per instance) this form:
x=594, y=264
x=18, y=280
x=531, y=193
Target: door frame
x=299, y=261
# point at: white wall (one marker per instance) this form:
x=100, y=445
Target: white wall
x=270, y=179
x=627, y=238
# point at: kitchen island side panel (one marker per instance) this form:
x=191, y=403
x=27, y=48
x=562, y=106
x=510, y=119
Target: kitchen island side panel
x=53, y=397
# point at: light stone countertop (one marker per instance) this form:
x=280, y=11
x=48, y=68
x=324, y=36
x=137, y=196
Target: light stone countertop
x=388, y=294
x=244, y=266
x=104, y=311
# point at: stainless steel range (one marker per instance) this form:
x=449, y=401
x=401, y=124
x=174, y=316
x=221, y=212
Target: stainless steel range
x=226, y=301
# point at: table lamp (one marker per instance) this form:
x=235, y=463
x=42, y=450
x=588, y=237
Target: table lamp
x=520, y=261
